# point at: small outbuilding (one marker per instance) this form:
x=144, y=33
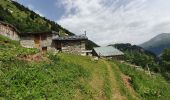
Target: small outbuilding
x=108, y=52
x=72, y=44
x=39, y=40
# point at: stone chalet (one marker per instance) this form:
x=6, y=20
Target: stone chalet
x=40, y=40
x=46, y=41
x=72, y=44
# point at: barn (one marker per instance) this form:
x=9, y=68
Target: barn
x=108, y=52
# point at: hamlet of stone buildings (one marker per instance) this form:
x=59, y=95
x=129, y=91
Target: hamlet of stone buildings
x=52, y=41
x=46, y=41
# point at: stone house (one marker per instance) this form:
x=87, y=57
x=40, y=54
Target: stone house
x=40, y=40
x=9, y=31
x=71, y=44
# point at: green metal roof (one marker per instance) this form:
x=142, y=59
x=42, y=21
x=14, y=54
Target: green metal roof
x=107, y=51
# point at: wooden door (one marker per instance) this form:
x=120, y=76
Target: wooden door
x=37, y=41
x=58, y=45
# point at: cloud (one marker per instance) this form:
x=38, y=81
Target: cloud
x=31, y=7
x=38, y=12
x=115, y=21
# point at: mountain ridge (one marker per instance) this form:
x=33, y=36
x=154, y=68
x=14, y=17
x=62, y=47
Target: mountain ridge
x=158, y=43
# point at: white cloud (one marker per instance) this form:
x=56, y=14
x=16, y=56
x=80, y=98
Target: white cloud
x=38, y=12
x=31, y=7
x=113, y=21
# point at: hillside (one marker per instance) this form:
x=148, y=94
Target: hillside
x=138, y=56
x=158, y=43
x=30, y=74
x=26, y=20
x=133, y=48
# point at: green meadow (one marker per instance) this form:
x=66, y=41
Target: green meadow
x=67, y=76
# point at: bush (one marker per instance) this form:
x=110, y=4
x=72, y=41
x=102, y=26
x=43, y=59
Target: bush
x=166, y=55
x=166, y=66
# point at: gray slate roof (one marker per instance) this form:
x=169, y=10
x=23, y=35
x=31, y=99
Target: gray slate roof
x=107, y=51
x=74, y=37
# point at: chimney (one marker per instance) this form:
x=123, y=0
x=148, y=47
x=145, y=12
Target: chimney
x=85, y=33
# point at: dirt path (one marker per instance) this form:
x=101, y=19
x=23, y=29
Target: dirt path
x=127, y=81
x=97, y=84
x=100, y=80
x=115, y=90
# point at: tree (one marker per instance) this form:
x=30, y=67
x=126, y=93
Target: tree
x=166, y=59
x=166, y=55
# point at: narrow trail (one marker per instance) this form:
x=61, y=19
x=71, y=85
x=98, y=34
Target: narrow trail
x=97, y=84
x=126, y=79
x=115, y=88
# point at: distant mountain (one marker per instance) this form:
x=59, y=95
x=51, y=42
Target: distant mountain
x=26, y=20
x=158, y=43
x=127, y=47
x=137, y=55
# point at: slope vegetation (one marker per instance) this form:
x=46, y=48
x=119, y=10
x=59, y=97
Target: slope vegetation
x=147, y=87
x=52, y=76
x=30, y=74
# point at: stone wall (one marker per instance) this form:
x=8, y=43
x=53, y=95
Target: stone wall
x=75, y=47
x=9, y=32
x=27, y=41
x=48, y=43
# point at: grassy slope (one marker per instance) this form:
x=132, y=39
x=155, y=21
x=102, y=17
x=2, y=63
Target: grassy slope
x=62, y=76
x=153, y=87
x=67, y=76
x=123, y=88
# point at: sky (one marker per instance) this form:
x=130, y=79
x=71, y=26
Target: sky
x=107, y=21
